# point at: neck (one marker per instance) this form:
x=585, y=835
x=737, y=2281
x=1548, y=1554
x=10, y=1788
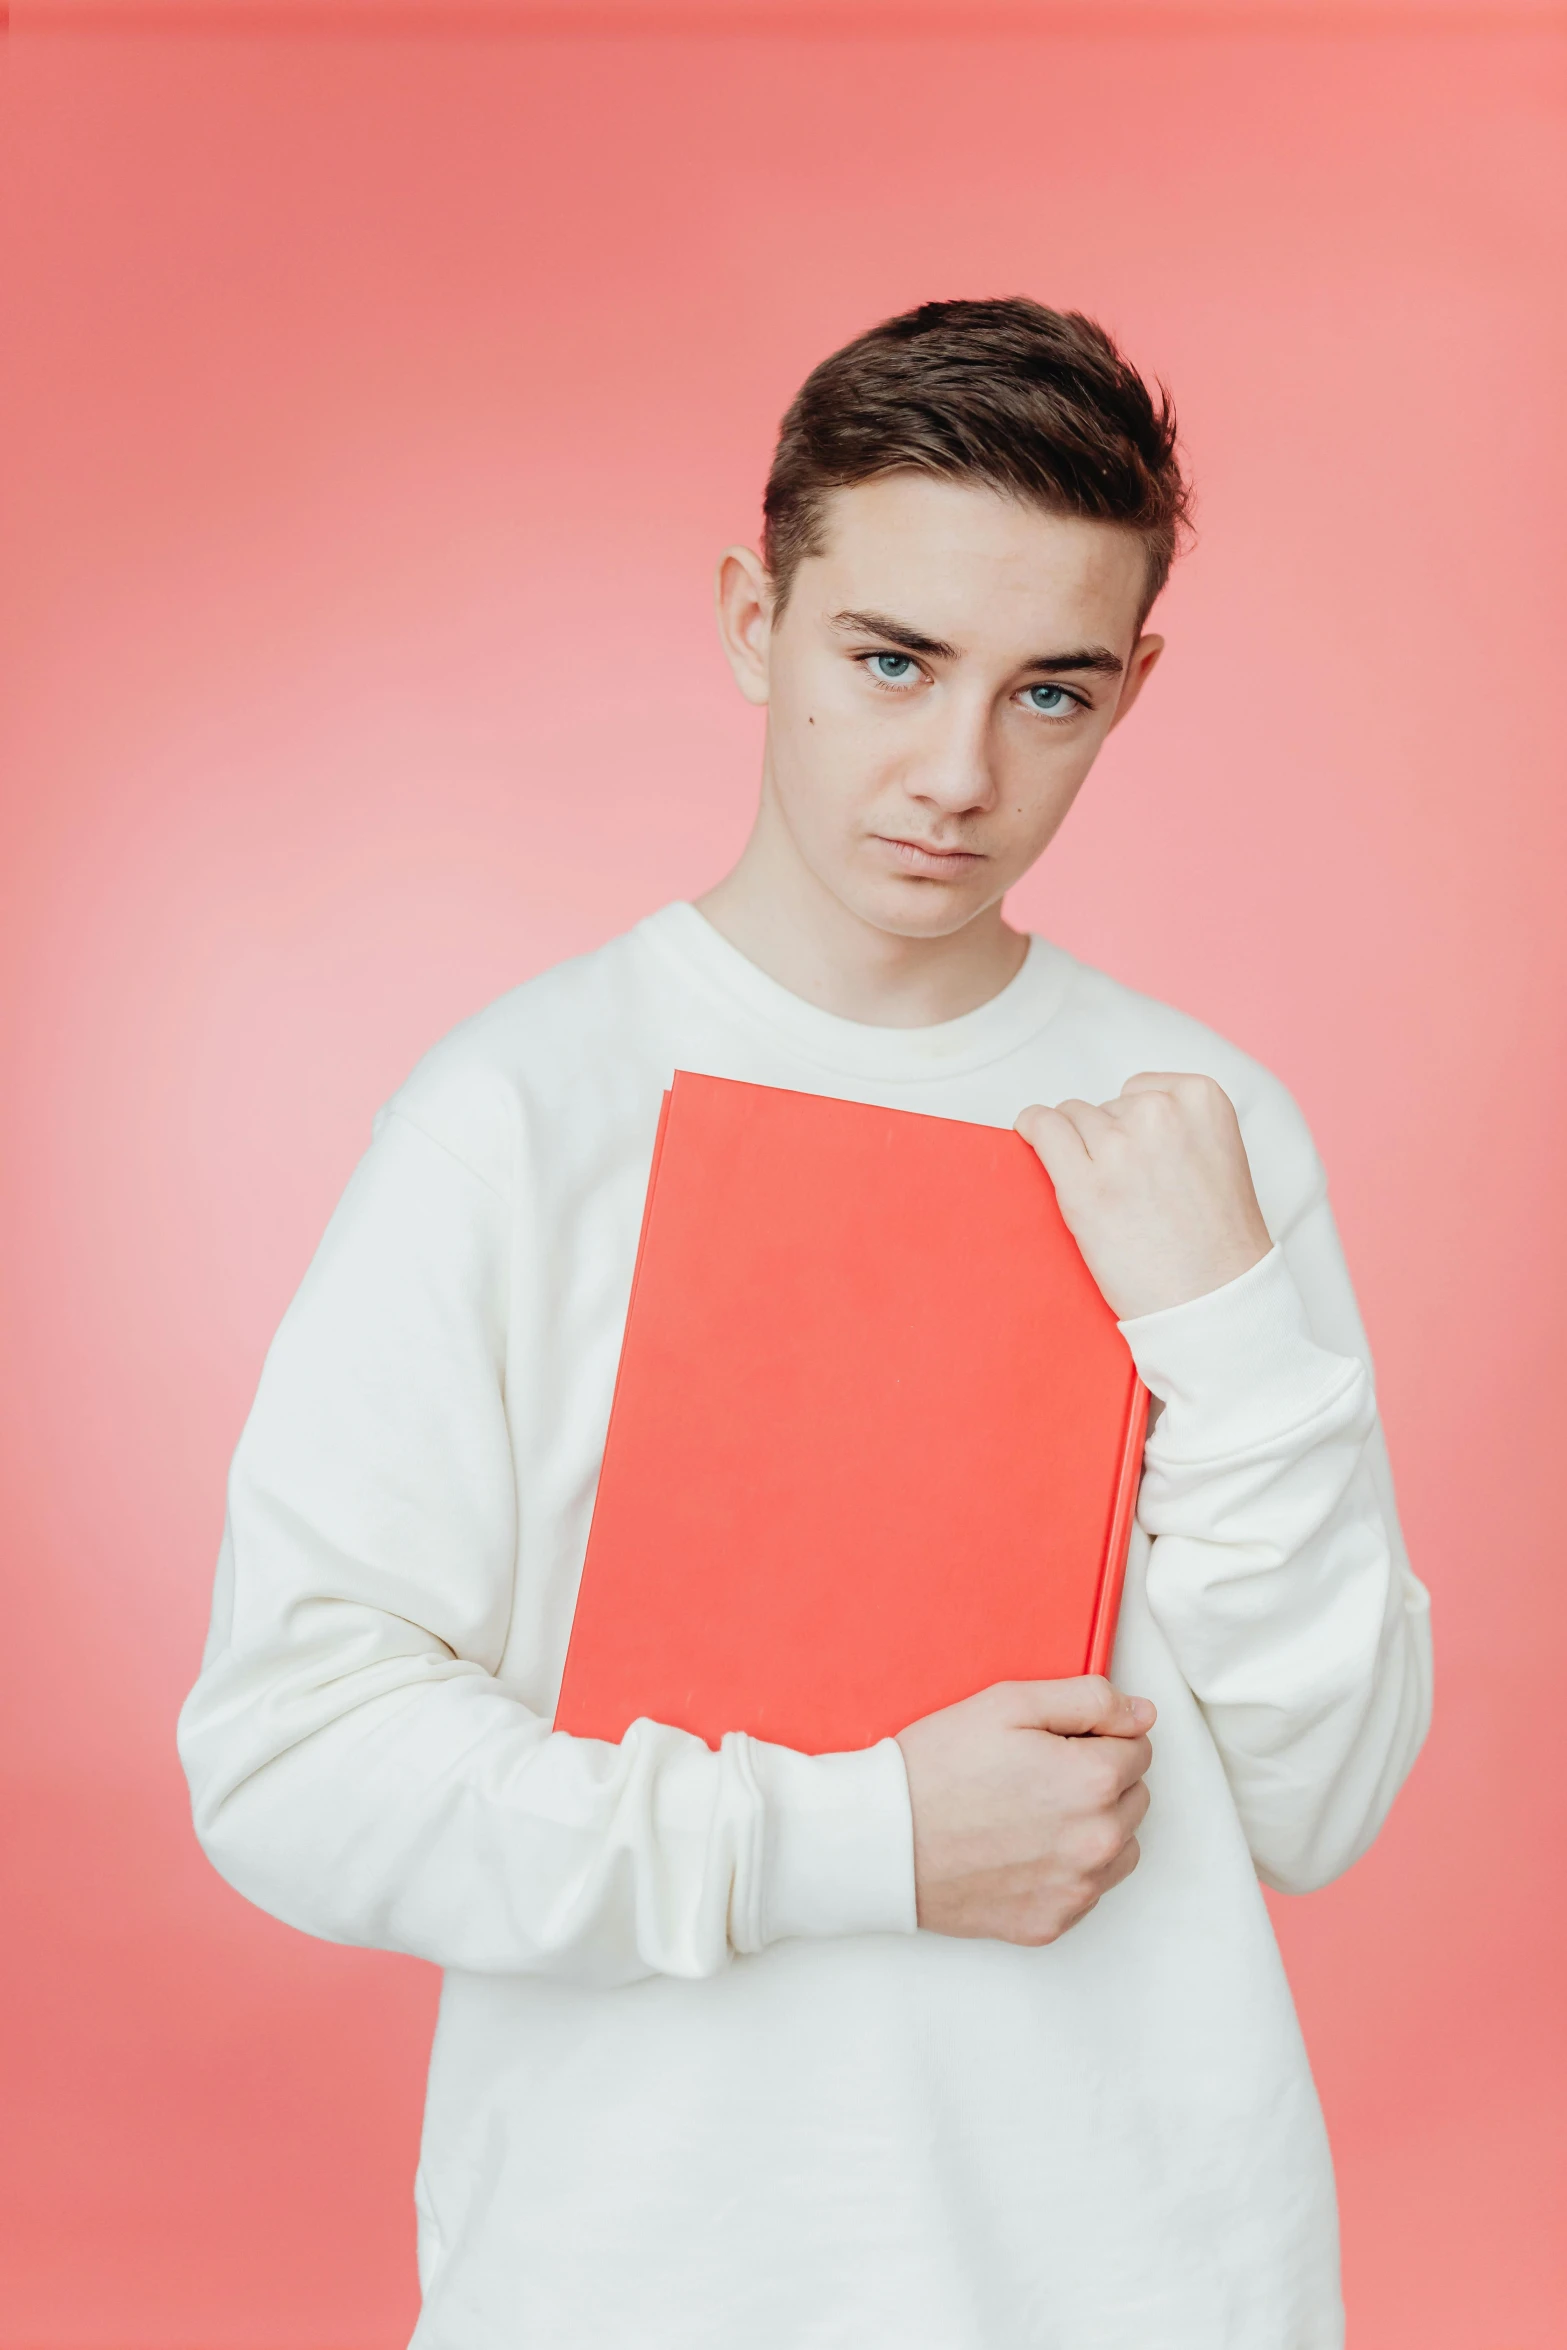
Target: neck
x=783, y=918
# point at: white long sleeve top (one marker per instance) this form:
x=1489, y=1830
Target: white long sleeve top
x=698, y=2081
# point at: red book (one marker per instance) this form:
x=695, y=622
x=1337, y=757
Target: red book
x=875, y=1439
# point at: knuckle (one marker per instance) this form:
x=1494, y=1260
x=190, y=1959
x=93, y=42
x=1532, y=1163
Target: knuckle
x=1100, y=1846
x=1038, y=1920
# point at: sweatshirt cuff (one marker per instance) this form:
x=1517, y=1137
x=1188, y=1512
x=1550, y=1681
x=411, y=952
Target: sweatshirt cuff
x=837, y=1841
x=1240, y=1360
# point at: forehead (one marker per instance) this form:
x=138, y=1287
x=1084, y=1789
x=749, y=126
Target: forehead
x=972, y=565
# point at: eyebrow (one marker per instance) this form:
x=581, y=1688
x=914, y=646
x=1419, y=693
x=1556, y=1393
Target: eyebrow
x=913, y=640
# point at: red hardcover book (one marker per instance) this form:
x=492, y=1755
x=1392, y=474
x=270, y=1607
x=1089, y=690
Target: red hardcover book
x=875, y=1438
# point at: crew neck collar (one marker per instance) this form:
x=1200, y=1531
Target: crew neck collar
x=857, y=1047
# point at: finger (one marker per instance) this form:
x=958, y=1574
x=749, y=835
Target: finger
x=1125, y=1760
x=1190, y=1086
x=1180, y=1082
x=1122, y=1866
x=1092, y=1121
x=1082, y=1708
x=1141, y=1715
x=1132, y=1809
x=1138, y=1102
x=1054, y=1140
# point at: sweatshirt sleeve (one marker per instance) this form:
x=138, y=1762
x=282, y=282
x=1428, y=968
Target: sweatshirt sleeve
x=1277, y=1571
x=357, y=1764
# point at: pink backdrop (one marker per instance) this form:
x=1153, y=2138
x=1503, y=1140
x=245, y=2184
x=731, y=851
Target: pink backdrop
x=379, y=401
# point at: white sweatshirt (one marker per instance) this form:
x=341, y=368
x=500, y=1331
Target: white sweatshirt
x=698, y=2082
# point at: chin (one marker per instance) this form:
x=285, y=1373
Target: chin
x=908, y=908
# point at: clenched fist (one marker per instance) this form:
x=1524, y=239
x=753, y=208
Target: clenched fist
x=1155, y=1189
x=1027, y=1800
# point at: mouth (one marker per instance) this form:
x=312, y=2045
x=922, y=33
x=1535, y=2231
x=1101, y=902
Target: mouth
x=918, y=856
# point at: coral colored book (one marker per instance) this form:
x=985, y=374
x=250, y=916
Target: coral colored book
x=875, y=1438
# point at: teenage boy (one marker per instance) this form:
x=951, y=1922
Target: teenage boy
x=751, y=2050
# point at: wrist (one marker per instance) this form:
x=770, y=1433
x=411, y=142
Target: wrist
x=1236, y=1362
x=1164, y=1287
x=837, y=1843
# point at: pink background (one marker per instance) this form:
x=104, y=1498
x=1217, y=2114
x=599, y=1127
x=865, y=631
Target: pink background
x=382, y=393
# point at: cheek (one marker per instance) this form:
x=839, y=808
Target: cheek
x=826, y=759
x=1042, y=779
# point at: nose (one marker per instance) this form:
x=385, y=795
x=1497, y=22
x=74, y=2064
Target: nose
x=956, y=772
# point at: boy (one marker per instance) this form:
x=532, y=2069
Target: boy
x=749, y=2050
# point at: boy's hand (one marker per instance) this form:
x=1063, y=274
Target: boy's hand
x=1155, y=1188
x=1022, y=1819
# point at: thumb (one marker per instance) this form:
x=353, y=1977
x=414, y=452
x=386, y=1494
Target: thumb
x=1088, y=1707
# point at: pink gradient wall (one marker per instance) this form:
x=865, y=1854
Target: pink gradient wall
x=377, y=403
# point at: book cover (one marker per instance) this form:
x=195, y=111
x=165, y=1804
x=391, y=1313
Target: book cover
x=875, y=1436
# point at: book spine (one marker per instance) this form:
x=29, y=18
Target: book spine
x=1118, y=1542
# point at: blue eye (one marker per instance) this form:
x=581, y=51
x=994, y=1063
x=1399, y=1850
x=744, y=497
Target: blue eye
x=1049, y=700
x=891, y=668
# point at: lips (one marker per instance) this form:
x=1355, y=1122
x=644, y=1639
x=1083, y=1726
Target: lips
x=917, y=856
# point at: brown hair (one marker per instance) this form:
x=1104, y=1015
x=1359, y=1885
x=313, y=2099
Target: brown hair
x=1037, y=403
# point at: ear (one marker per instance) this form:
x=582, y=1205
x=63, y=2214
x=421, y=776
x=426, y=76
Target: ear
x=1140, y=661
x=743, y=595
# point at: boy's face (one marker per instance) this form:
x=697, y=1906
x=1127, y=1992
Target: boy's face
x=937, y=687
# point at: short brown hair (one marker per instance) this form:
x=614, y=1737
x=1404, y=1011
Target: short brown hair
x=1034, y=402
